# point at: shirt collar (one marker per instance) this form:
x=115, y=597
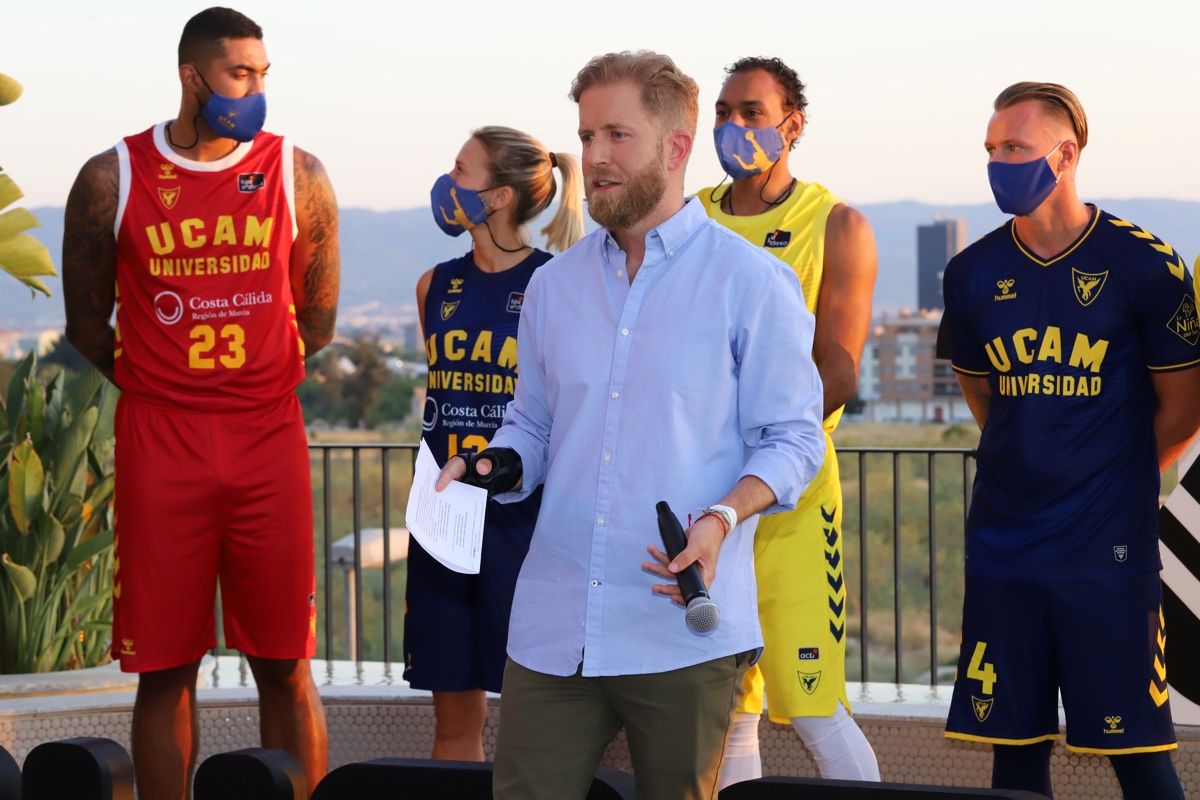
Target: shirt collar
x=673, y=232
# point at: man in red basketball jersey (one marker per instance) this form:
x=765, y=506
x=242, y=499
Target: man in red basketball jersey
x=216, y=244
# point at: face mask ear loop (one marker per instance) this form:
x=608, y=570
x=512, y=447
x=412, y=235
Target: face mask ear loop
x=195, y=127
x=195, y=119
x=1057, y=175
x=786, y=193
x=712, y=194
x=498, y=246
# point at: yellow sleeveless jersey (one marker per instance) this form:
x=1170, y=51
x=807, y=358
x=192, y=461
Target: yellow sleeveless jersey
x=793, y=231
x=798, y=554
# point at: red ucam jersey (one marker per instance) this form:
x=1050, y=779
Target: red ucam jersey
x=205, y=314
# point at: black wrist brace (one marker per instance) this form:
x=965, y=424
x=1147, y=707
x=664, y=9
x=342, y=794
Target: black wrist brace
x=506, y=469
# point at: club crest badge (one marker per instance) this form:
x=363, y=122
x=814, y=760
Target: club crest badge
x=982, y=707
x=1087, y=285
x=449, y=308
x=169, y=197
x=809, y=681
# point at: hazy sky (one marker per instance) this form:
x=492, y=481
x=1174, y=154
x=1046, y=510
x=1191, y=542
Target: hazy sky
x=386, y=93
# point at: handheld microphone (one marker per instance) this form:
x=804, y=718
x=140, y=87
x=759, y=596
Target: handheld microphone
x=702, y=614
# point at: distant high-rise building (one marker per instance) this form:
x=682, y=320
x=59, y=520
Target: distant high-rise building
x=936, y=244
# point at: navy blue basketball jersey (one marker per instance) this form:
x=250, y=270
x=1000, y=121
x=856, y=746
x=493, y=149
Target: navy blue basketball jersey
x=471, y=342
x=1067, y=481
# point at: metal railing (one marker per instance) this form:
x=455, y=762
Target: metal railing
x=894, y=497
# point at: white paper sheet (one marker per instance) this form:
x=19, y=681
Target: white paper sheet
x=448, y=524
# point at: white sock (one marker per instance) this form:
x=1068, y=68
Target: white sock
x=838, y=745
x=742, y=761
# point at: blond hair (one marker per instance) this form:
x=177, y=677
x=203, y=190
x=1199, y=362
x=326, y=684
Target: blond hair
x=1057, y=100
x=667, y=93
x=518, y=160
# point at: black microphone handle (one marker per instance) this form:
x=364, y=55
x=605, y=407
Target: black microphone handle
x=690, y=582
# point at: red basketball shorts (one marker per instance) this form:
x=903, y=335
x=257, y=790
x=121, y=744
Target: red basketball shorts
x=202, y=497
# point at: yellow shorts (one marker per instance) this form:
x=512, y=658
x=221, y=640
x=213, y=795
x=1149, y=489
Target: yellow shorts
x=801, y=605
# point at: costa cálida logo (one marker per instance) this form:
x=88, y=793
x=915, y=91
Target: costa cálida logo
x=168, y=307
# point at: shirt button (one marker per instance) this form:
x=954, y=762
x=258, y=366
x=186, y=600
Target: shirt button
x=600, y=521
x=620, y=273
x=595, y=583
x=624, y=331
x=670, y=253
x=615, y=395
x=607, y=458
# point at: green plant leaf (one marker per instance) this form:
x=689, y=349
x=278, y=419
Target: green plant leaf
x=23, y=256
x=72, y=510
x=9, y=191
x=35, y=407
x=68, y=452
x=23, y=580
x=82, y=389
x=26, y=482
x=16, y=220
x=101, y=492
x=87, y=549
x=53, y=537
x=54, y=403
x=17, y=388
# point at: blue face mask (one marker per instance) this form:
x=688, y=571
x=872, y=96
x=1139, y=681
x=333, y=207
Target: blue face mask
x=455, y=209
x=1020, y=188
x=746, y=152
x=237, y=118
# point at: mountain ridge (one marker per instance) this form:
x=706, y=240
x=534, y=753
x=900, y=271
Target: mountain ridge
x=384, y=252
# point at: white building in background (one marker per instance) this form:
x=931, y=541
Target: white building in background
x=901, y=379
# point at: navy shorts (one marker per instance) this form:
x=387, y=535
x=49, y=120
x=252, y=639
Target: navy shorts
x=1102, y=643
x=455, y=625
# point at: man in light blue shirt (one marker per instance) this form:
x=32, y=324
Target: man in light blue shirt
x=662, y=358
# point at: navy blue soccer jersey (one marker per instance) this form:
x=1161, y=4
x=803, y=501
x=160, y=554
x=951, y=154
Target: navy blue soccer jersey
x=1067, y=481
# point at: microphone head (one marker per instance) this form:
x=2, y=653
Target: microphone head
x=702, y=615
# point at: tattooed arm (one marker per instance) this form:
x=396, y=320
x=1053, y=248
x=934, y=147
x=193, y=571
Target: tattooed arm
x=89, y=260
x=316, y=262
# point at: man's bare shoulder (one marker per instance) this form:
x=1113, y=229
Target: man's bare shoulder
x=309, y=169
x=102, y=167
x=92, y=202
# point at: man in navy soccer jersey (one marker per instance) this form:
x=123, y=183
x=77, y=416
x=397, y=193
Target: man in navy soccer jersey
x=1075, y=338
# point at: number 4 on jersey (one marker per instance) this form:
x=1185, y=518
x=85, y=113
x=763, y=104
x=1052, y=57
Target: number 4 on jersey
x=983, y=672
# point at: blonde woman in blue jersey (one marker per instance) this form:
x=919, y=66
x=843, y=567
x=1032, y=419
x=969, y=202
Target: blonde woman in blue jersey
x=456, y=626
x=798, y=554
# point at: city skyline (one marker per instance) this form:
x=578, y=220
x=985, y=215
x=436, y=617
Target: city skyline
x=899, y=94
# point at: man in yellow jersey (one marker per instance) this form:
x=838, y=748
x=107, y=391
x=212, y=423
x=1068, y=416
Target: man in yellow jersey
x=798, y=555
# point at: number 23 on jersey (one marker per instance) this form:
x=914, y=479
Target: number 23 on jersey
x=228, y=346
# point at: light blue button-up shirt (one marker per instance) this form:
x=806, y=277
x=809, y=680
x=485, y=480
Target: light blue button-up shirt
x=671, y=388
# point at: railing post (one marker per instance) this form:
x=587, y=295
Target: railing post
x=933, y=629
x=384, y=453
x=356, y=495
x=862, y=564
x=327, y=504
x=896, y=554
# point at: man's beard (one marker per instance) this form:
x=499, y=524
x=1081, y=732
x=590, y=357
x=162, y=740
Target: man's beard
x=638, y=196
